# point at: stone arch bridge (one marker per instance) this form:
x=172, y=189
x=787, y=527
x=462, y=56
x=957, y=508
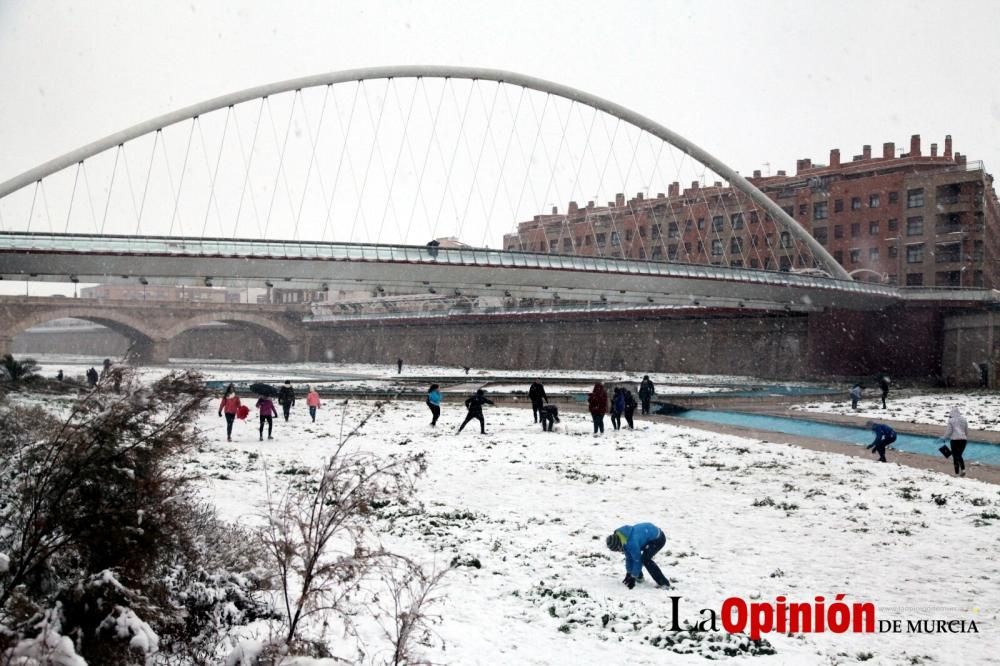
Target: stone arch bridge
x=150, y=326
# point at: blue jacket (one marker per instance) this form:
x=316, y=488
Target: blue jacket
x=434, y=397
x=883, y=433
x=633, y=538
x=618, y=403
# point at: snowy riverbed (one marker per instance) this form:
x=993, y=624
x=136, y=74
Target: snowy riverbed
x=742, y=518
x=981, y=408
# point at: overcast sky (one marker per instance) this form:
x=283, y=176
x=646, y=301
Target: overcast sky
x=751, y=82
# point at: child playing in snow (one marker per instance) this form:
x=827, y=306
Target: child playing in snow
x=639, y=543
x=312, y=401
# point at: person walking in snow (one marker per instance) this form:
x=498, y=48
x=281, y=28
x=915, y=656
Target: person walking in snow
x=475, y=405
x=646, y=393
x=267, y=413
x=629, y=408
x=597, y=403
x=884, y=436
x=883, y=384
x=286, y=398
x=312, y=402
x=434, y=403
x=617, y=407
x=229, y=406
x=536, y=393
x=639, y=543
x=92, y=377
x=399, y=366
x=957, y=431
x=855, y=396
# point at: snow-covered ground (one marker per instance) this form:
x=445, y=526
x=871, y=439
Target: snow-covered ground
x=742, y=518
x=981, y=408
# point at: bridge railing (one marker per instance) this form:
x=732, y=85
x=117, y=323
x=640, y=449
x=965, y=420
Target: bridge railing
x=221, y=247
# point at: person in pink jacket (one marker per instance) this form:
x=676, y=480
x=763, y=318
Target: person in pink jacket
x=267, y=413
x=230, y=405
x=312, y=400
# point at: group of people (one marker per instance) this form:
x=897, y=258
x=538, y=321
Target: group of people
x=956, y=433
x=232, y=408
x=883, y=385
x=622, y=403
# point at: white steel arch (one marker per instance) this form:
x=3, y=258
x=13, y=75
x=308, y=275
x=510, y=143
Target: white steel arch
x=423, y=71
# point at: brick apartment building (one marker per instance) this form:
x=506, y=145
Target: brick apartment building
x=915, y=219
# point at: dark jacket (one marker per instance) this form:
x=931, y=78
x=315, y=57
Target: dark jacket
x=629, y=402
x=883, y=435
x=536, y=392
x=618, y=402
x=286, y=395
x=597, y=400
x=475, y=403
x=646, y=389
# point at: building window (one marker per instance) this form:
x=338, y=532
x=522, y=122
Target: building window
x=655, y=229
x=586, y=240
x=915, y=253
x=718, y=223
x=820, y=210
x=701, y=224
x=855, y=256
x=657, y=252
x=615, y=238
x=736, y=263
x=601, y=239
x=673, y=231
x=893, y=251
x=689, y=225
x=754, y=218
x=642, y=253
x=856, y=230
x=567, y=244
x=553, y=245
x=803, y=208
x=914, y=279
x=789, y=210
x=874, y=201
x=838, y=256
x=855, y=203
x=914, y=226
x=873, y=255
x=820, y=234
x=786, y=239
x=838, y=231
x=915, y=199
x=701, y=247
x=628, y=234
x=838, y=205
x=642, y=232
x=873, y=228
x=754, y=263
x=736, y=219
x=736, y=245
x=894, y=225
x=687, y=249
x=893, y=197
x=717, y=248
x=672, y=252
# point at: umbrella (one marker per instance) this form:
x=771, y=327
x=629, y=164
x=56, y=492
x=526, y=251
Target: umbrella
x=263, y=389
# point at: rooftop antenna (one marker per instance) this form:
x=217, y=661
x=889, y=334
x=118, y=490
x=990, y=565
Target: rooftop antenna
x=768, y=165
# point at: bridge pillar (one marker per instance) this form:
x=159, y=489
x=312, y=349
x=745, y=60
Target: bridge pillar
x=6, y=344
x=295, y=350
x=150, y=352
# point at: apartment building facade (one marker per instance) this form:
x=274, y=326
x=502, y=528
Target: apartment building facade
x=912, y=219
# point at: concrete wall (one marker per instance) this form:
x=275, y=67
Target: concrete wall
x=968, y=341
x=755, y=345
x=222, y=342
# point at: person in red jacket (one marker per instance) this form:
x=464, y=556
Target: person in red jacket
x=312, y=400
x=230, y=405
x=597, y=402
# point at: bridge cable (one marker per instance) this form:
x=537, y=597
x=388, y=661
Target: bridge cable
x=395, y=168
x=111, y=185
x=649, y=188
x=418, y=195
x=249, y=163
x=45, y=205
x=552, y=168
x=312, y=158
x=528, y=161
x=514, y=114
x=474, y=186
x=343, y=151
x=180, y=183
x=454, y=154
x=131, y=187
x=625, y=178
x=489, y=212
x=72, y=196
x=90, y=196
x=145, y=190
x=31, y=211
x=166, y=162
x=503, y=165
x=215, y=173
x=371, y=156
x=281, y=158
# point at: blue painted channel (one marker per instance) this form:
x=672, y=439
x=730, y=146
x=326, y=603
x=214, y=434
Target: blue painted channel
x=982, y=452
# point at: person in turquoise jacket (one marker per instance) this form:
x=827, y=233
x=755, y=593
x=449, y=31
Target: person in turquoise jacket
x=434, y=403
x=639, y=543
